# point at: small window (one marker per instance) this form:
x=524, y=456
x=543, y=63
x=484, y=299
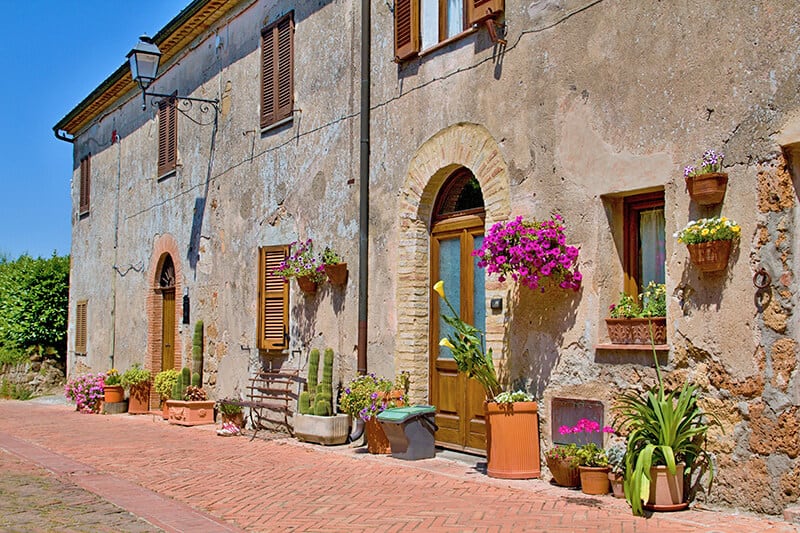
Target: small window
x=85, y=185
x=80, y=327
x=422, y=24
x=277, y=72
x=273, y=300
x=167, y=136
x=645, y=241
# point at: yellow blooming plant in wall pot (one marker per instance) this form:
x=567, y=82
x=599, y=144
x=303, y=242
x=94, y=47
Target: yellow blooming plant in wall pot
x=709, y=241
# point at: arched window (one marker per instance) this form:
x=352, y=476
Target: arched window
x=460, y=195
x=167, y=278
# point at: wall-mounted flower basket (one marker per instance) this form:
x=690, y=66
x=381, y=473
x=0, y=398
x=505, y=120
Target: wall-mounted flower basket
x=636, y=330
x=708, y=188
x=306, y=284
x=711, y=256
x=337, y=274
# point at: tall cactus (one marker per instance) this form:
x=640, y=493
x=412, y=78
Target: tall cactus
x=197, y=355
x=323, y=405
x=308, y=398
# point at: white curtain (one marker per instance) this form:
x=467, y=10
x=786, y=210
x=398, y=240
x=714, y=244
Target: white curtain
x=652, y=239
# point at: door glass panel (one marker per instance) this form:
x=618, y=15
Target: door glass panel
x=450, y=273
x=478, y=290
x=429, y=17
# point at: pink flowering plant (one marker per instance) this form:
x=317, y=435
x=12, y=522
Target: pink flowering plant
x=301, y=262
x=587, y=453
x=711, y=162
x=530, y=252
x=86, y=391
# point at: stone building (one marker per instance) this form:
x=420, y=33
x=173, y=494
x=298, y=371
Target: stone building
x=589, y=109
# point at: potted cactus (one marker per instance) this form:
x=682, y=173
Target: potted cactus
x=189, y=404
x=315, y=420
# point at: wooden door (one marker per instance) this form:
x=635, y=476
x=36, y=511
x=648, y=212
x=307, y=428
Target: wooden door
x=168, y=329
x=459, y=401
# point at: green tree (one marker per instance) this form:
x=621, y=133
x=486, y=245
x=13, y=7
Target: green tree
x=34, y=296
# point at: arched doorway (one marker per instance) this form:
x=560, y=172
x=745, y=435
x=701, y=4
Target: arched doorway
x=456, y=230
x=166, y=284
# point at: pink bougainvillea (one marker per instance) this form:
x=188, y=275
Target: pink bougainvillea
x=530, y=252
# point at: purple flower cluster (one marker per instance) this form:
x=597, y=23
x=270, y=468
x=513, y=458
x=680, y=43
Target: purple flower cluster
x=530, y=251
x=367, y=395
x=86, y=391
x=301, y=262
x=711, y=162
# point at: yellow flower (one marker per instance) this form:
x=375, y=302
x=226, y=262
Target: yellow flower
x=723, y=219
x=735, y=229
x=704, y=232
x=445, y=341
x=439, y=288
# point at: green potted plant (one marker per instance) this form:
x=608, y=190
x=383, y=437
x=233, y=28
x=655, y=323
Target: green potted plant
x=705, y=181
x=137, y=380
x=189, y=404
x=231, y=413
x=302, y=265
x=591, y=458
x=316, y=420
x=709, y=241
x=616, y=460
x=163, y=384
x=335, y=269
x=631, y=318
x=364, y=397
x=112, y=390
x=562, y=462
x=666, y=437
x=512, y=427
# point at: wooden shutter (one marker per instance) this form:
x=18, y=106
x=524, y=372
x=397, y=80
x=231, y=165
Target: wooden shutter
x=277, y=71
x=273, y=300
x=85, y=185
x=167, y=135
x=406, y=29
x=80, y=327
x=480, y=10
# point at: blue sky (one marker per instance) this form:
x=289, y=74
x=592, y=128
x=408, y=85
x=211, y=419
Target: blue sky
x=53, y=54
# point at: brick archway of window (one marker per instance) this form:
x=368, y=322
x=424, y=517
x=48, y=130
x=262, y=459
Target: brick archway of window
x=164, y=245
x=460, y=145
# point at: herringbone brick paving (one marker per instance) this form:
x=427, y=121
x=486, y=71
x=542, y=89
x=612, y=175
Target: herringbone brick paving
x=279, y=484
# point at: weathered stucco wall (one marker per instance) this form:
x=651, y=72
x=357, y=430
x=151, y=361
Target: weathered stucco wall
x=588, y=101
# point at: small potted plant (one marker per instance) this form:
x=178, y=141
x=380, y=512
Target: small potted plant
x=530, y=252
x=334, y=268
x=112, y=390
x=631, y=318
x=709, y=242
x=562, y=462
x=189, y=404
x=137, y=380
x=616, y=460
x=163, y=383
x=590, y=457
x=365, y=396
x=302, y=265
x=86, y=390
x=705, y=181
x=231, y=413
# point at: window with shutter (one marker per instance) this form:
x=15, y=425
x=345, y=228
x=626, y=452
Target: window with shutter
x=277, y=72
x=80, y=327
x=422, y=24
x=167, y=135
x=85, y=185
x=273, y=300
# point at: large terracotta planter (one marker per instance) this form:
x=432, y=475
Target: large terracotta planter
x=565, y=473
x=113, y=394
x=337, y=274
x=710, y=256
x=192, y=413
x=325, y=430
x=139, y=399
x=636, y=330
x=707, y=189
x=666, y=490
x=377, y=442
x=594, y=479
x=307, y=285
x=512, y=440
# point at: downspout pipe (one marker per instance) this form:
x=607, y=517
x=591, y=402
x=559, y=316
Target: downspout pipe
x=363, y=229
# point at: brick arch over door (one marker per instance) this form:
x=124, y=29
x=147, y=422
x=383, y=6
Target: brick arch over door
x=460, y=145
x=164, y=245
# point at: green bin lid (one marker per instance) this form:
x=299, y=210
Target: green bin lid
x=401, y=414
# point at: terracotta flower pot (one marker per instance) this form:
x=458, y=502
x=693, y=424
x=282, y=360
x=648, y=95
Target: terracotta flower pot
x=565, y=474
x=306, y=284
x=235, y=419
x=337, y=274
x=594, y=479
x=139, y=399
x=710, y=256
x=377, y=442
x=707, y=189
x=617, y=484
x=512, y=440
x=636, y=330
x=113, y=394
x=666, y=490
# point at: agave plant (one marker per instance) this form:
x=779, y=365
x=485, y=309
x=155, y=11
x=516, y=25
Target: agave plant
x=663, y=429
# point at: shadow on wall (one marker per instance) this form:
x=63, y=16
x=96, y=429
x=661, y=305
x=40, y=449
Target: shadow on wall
x=536, y=333
x=304, y=319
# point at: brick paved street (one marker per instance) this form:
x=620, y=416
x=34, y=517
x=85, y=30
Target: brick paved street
x=190, y=479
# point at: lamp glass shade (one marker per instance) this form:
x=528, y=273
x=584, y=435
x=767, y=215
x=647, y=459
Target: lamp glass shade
x=144, y=59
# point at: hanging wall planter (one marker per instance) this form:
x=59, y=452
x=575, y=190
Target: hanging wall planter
x=337, y=274
x=710, y=256
x=306, y=284
x=708, y=188
x=709, y=241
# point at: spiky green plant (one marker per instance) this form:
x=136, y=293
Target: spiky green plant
x=323, y=405
x=197, y=354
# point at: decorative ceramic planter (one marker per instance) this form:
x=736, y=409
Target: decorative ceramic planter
x=113, y=394
x=707, y=189
x=512, y=440
x=710, y=256
x=594, y=479
x=337, y=274
x=139, y=399
x=377, y=441
x=617, y=484
x=636, y=330
x=306, y=284
x=325, y=430
x=666, y=490
x=192, y=413
x=565, y=474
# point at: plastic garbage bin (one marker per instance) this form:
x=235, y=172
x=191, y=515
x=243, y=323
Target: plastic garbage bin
x=410, y=431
